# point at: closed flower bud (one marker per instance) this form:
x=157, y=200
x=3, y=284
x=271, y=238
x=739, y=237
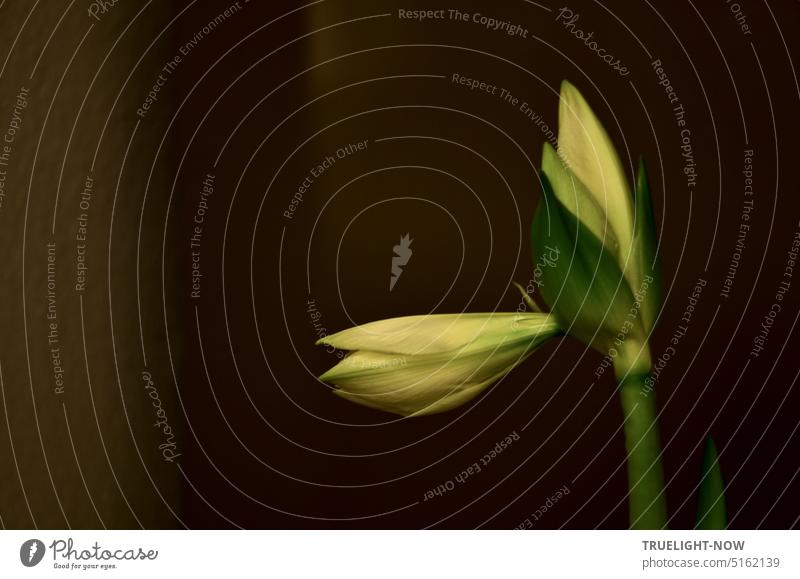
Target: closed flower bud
x=605, y=289
x=426, y=364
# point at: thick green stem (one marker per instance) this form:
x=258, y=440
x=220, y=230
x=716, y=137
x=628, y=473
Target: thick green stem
x=647, y=502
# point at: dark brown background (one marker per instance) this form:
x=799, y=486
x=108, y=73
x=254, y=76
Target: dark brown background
x=265, y=444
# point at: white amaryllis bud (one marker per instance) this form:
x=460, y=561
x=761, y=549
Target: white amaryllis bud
x=606, y=291
x=601, y=196
x=426, y=364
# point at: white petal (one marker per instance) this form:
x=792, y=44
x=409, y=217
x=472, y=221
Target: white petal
x=590, y=155
x=409, y=405
x=434, y=333
x=418, y=384
x=572, y=193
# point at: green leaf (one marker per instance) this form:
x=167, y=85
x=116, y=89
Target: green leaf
x=711, y=512
x=645, y=248
x=584, y=286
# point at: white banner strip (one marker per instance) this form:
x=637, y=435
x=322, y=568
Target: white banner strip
x=401, y=554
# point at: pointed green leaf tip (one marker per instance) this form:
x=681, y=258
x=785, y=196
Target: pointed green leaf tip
x=645, y=241
x=711, y=511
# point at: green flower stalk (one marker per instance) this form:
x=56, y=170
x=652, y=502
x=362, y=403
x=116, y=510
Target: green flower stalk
x=606, y=288
x=419, y=365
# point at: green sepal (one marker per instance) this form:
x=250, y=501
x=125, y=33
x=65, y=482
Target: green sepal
x=711, y=511
x=584, y=287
